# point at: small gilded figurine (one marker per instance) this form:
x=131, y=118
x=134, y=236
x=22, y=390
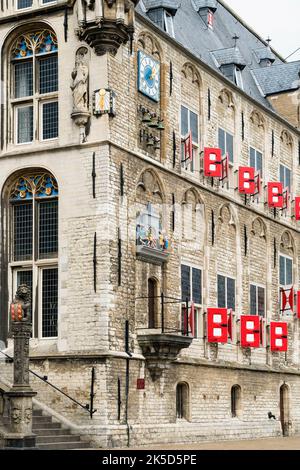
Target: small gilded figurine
x=20, y=307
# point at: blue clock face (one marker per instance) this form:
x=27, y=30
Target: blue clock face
x=148, y=76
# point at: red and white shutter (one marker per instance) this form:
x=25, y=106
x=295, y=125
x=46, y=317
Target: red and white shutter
x=212, y=162
x=250, y=331
x=247, y=184
x=188, y=147
x=279, y=334
x=297, y=208
x=192, y=319
x=230, y=324
x=262, y=331
x=298, y=304
x=275, y=195
x=217, y=325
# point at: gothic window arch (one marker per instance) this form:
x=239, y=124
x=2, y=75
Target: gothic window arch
x=258, y=267
x=150, y=217
x=33, y=241
x=33, y=78
x=190, y=117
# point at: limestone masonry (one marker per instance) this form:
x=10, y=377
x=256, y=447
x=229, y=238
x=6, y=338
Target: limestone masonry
x=109, y=216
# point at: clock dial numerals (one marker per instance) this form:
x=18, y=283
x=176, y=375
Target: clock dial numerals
x=148, y=76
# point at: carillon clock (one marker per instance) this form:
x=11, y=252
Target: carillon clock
x=148, y=76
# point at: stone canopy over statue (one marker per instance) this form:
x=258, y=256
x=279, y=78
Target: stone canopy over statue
x=105, y=24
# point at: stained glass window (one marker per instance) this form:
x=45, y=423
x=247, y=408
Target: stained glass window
x=34, y=209
x=35, y=75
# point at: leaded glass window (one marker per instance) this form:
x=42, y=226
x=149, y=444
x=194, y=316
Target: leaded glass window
x=24, y=4
x=34, y=86
x=226, y=292
x=34, y=246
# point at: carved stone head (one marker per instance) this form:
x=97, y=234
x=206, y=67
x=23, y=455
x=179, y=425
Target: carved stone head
x=16, y=415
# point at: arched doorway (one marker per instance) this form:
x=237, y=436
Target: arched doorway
x=285, y=409
x=152, y=303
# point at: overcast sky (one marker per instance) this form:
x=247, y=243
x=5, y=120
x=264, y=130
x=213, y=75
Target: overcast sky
x=275, y=18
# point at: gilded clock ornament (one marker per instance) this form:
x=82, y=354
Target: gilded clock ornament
x=148, y=76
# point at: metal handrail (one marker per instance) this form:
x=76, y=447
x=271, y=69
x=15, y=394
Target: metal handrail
x=88, y=407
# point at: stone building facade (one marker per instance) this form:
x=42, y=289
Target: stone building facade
x=107, y=214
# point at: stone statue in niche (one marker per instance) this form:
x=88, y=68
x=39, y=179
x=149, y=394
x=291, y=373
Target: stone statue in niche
x=80, y=78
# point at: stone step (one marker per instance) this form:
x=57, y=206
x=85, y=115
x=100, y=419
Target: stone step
x=37, y=412
x=41, y=425
x=51, y=432
x=42, y=419
x=63, y=445
x=58, y=438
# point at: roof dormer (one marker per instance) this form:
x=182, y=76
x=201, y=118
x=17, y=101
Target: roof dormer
x=206, y=9
x=264, y=56
x=231, y=63
x=161, y=12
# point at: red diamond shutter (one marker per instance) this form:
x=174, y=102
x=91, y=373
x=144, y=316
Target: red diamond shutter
x=279, y=333
x=188, y=147
x=212, y=162
x=247, y=184
x=250, y=331
x=217, y=325
x=275, y=195
x=283, y=300
x=287, y=299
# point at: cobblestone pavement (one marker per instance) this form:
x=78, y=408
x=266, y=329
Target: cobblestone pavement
x=286, y=443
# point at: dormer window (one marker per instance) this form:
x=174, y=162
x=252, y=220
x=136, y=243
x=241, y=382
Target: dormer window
x=168, y=23
x=206, y=9
x=264, y=56
x=162, y=12
x=210, y=19
x=231, y=63
x=233, y=73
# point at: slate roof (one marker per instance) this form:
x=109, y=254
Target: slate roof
x=212, y=4
x=232, y=55
x=264, y=53
x=168, y=4
x=209, y=44
x=278, y=78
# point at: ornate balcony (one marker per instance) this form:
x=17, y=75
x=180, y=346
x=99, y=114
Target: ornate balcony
x=160, y=349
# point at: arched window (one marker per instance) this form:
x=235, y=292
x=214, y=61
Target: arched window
x=33, y=226
x=236, y=395
x=34, y=87
x=182, y=401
